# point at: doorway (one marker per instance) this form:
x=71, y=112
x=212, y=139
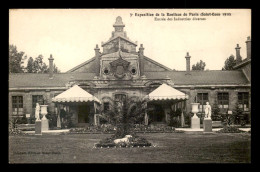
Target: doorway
x=83, y=114
x=157, y=114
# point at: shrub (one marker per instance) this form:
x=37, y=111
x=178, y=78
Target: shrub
x=103, y=120
x=227, y=119
x=215, y=115
x=67, y=123
x=13, y=127
x=229, y=129
x=16, y=131
x=52, y=120
x=237, y=114
x=187, y=118
x=175, y=118
x=22, y=120
x=32, y=120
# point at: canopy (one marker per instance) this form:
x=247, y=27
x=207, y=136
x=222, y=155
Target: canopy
x=166, y=92
x=75, y=94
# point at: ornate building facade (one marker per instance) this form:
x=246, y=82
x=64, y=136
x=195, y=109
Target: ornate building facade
x=122, y=71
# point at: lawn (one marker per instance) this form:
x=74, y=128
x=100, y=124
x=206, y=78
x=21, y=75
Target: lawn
x=187, y=147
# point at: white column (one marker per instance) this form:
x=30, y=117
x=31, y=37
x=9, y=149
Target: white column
x=58, y=118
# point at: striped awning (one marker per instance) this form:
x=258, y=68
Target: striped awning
x=75, y=94
x=166, y=92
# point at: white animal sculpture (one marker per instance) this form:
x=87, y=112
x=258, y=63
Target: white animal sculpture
x=125, y=139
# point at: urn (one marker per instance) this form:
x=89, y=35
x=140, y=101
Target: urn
x=44, y=111
x=195, y=109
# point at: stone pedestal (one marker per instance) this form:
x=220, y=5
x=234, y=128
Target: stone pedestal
x=45, y=124
x=38, y=127
x=195, y=123
x=207, y=125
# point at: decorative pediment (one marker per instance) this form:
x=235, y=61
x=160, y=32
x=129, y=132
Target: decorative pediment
x=119, y=67
x=119, y=62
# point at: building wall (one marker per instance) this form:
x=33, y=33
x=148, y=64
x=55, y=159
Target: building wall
x=107, y=95
x=105, y=64
x=27, y=100
x=212, y=95
x=130, y=93
x=113, y=46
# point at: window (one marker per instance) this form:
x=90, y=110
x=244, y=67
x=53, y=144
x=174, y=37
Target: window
x=243, y=101
x=17, y=105
x=106, y=71
x=120, y=97
x=133, y=71
x=37, y=99
x=202, y=98
x=106, y=106
x=223, y=101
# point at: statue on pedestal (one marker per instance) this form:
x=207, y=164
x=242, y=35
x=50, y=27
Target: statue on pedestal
x=207, y=111
x=37, y=112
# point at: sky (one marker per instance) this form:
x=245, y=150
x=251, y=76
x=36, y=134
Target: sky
x=71, y=35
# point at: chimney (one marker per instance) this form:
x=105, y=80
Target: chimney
x=141, y=59
x=51, y=67
x=238, y=57
x=248, y=47
x=97, y=59
x=188, y=62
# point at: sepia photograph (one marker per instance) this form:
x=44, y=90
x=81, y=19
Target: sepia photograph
x=129, y=86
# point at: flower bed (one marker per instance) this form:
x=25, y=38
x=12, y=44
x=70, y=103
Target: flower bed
x=153, y=128
x=15, y=131
x=229, y=129
x=134, y=141
x=109, y=129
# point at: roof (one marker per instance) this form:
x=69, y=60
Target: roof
x=42, y=80
x=82, y=64
x=23, y=80
x=156, y=63
x=210, y=77
x=242, y=63
x=166, y=92
x=75, y=94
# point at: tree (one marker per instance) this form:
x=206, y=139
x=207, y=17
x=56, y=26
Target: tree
x=199, y=66
x=237, y=114
x=215, y=112
x=29, y=67
x=124, y=115
x=229, y=63
x=38, y=66
x=55, y=69
x=15, y=60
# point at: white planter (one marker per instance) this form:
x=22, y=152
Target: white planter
x=44, y=121
x=195, y=109
x=44, y=111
